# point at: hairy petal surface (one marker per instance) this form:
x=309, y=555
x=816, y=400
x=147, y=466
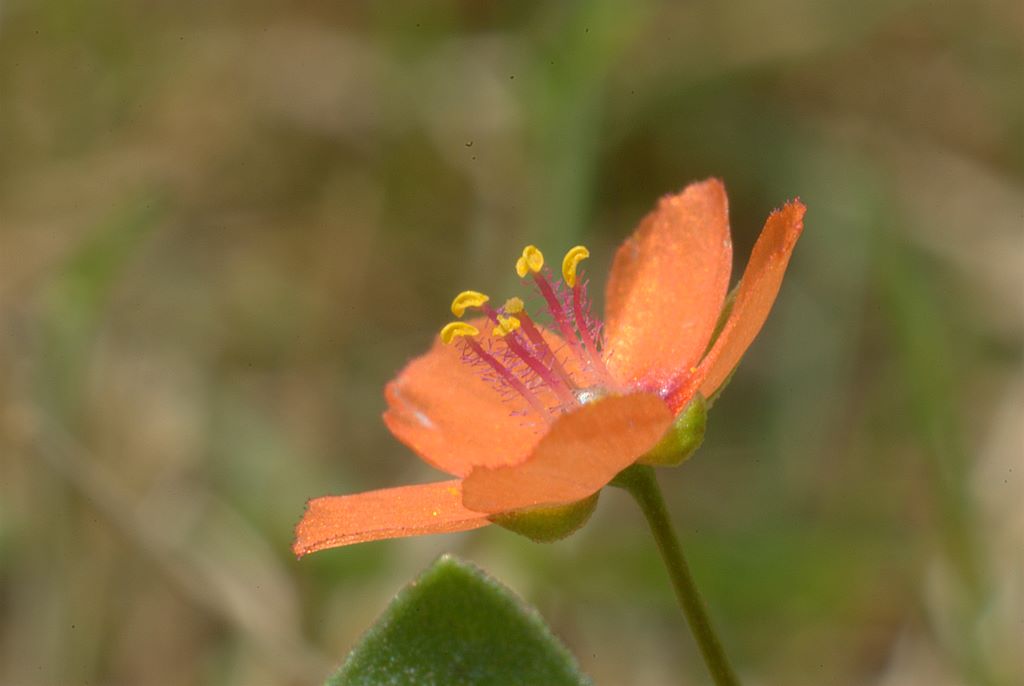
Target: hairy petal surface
x=754, y=298
x=582, y=452
x=667, y=285
x=333, y=521
x=443, y=409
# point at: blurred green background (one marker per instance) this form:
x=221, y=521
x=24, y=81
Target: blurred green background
x=225, y=226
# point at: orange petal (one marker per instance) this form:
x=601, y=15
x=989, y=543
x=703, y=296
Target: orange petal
x=667, y=286
x=441, y=407
x=757, y=291
x=334, y=521
x=582, y=452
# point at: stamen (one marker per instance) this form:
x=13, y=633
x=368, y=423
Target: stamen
x=571, y=261
x=506, y=325
x=558, y=314
x=527, y=363
x=545, y=351
x=570, y=265
x=588, y=341
x=532, y=260
x=467, y=299
x=455, y=330
x=509, y=378
x=514, y=306
x=561, y=385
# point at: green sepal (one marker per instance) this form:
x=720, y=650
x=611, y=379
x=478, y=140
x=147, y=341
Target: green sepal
x=548, y=524
x=456, y=625
x=682, y=438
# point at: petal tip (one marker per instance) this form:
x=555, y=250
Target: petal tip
x=300, y=548
x=795, y=208
x=758, y=289
x=792, y=215
x=712, y=182
x=712, y=188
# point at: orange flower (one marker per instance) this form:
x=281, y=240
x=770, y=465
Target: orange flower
x=526, y=416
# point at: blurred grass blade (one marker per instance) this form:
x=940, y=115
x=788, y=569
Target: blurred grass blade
x=456, y=625
x=79, y=292
x=921, y=329
x=567, y=84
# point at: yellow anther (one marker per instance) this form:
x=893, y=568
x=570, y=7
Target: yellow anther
x=456, y=329
x=570, y=262
x=531, y=261
x=506, y=325
x=514, y=305
x=467, y=299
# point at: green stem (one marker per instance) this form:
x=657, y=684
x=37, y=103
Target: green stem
x=640, y=482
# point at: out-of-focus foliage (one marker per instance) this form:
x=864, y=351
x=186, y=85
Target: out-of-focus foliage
x=223, y=226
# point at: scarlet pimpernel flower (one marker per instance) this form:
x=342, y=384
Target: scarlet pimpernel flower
x=537, y=416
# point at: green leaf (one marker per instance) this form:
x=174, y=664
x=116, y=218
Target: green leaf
x=456, y=626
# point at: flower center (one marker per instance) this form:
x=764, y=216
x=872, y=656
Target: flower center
x=552, y=373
